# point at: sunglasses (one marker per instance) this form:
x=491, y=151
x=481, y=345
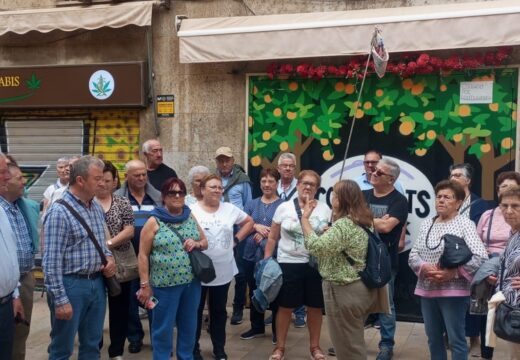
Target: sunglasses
x=175, y=193
x=380, y=172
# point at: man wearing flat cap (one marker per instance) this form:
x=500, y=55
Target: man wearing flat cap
x=237, y=191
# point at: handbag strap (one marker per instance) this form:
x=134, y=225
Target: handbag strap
x=428, y=235
x=489, y=227
x=177, y=233
x=85, y=225
x=467, y=207
x=298, y=209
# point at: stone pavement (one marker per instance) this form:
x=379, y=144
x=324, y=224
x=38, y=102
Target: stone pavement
x=411, y=342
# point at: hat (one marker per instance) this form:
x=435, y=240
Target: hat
x=223, y=151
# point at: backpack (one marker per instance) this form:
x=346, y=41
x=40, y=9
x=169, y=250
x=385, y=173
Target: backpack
x=378, y=269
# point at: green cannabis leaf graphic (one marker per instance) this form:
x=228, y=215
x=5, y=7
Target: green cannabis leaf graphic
x=101, y=87
x=33, y=83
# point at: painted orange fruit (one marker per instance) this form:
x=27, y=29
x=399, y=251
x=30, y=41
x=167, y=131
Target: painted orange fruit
x=291, y=115
x=417, y=89
x=324, y=142
x=267, y=98
x=316, y=129
x=431, y=134
x=359, y=113
x=336, y=141
x=429, y=115
x=464, y=110
x=493, y=107
x=367, y=105
x=443, y=87
x=379, y=127
x=507, y=143
x=250, y=121
x=256, y=160
x=327, y=155
x=277, y=112
x=293, y=86
x=406, y=128
x=458, y=137
x=339, y=87
x=420, y=152
x=407, y=84
x=379, y=92
x=485, y=148
x=421, y=136
x=349, y=89
x=284, y=145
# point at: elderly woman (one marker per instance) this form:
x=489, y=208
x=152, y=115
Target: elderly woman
x=218, y=219
x=120, y=223
x=165, y=271
x=445, y=292
x=262, y=210
x=347, y=300
x=510, y=260
x=301, y=281
x=195, y=176
x=495, y=232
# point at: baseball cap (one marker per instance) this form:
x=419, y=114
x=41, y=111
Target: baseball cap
x=223, y=151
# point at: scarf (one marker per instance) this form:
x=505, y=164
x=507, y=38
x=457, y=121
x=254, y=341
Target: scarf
x=162, y=214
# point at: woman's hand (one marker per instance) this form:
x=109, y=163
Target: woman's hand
x=443, y=275
x=310, y=205
x=515, y=282
x=258, y=238
x=190, y=244
x=262, y=230
x=492, y=279
x=144, y=294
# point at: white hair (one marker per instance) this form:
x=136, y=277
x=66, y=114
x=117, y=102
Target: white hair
x=147, y=144
x=286, y=156
x=199, y=169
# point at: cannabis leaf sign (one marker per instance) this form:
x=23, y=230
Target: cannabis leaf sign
x=101, y=87
x=288, y=115
x=33, y=83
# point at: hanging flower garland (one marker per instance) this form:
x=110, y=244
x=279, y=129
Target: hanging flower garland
x=406, y=67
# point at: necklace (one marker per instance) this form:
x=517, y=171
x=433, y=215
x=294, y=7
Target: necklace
x=264, y=210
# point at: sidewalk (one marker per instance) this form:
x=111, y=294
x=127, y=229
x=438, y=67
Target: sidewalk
x=411, y=342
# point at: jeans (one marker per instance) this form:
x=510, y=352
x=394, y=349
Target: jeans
x=118, y=320
x=6, y=330
x=445, y=313
x=299, y=312
x=177, y=307
x=239, y=299
x=88, y=301
x=387, y=321
x=217, y=317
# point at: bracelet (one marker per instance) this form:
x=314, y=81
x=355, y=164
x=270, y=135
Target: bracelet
x=145, y=284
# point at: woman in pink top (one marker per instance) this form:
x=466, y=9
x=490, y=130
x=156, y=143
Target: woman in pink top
x=492, y=228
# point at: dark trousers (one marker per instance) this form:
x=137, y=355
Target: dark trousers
x=485, y=351
x=239, y=299
x=6, y=330
x=118, y=311
x=217, y=317
x=257, y=318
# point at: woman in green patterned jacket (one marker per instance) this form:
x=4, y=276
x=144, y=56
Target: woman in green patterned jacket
x=165, y=272
x=347, y=300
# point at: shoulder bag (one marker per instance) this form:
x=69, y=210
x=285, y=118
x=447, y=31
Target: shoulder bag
x=507, y=317
x=113, y=286
x=201, y=264
x=456, y=252
x=126, y=261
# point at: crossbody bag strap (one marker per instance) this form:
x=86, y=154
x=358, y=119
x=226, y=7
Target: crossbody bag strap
x=298, y=209
x=350, y=259
x=177, y=233
x=85, y=225
x=428, y=235
x=467, y=207
x=489, y=227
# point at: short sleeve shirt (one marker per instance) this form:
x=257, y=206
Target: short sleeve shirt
x=291, y=247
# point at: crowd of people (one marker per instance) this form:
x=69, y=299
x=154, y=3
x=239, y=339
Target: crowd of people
x=141, y=234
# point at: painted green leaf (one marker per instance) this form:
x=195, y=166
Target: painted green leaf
x=33, y=83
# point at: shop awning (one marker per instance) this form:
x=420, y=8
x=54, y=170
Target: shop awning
x=418, y=28
x=76, y=17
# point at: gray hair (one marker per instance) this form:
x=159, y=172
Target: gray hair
x=286, y=156
x=393, y=167
x=146, y=145
x=465, y=167
x=82, y=166
x=63, y=159
x=199, y=169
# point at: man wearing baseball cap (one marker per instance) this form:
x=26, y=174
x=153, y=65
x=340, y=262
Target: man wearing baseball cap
x=237, y=191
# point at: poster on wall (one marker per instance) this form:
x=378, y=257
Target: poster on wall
x=419, y=122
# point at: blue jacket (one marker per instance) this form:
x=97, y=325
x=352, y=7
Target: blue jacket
x=268, y=275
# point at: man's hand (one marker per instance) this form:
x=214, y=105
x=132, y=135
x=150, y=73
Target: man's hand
x=18, y=308
x=63, y=312
x=109, y=269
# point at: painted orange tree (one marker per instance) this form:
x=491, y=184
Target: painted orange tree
x=290, y=114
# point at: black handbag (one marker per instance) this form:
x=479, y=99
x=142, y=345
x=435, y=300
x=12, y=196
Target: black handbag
x=201, y=264
x=507, y=317
x=113, y=286
x=456, y=252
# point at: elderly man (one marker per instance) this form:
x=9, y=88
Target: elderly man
x=390, y=209
x=23, y=215
x=237, y=191
x=287, y=185
x=9, y=275
x=157, y=170
x=143, y=198
x=62, y=170
x=73, y=267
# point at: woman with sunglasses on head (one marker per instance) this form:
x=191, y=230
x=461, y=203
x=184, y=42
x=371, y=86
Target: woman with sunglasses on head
x=301, y=279
x=165, y=271
x=444, y=292
x=495, y=233
x=218, y=219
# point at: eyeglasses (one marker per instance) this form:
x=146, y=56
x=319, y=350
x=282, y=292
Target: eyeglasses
x=444, y=197
x=505, y=207
x=215, y=187
x=370, y=162
x=287, y=166
x=457, y=175
x=309, y=184
x=379, y=172
x=175, y=193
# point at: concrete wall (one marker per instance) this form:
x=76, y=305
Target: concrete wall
x=210, y=98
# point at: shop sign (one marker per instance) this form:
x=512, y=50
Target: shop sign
x=165, y=106
x=92, y=86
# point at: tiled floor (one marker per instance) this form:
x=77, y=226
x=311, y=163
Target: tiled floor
x=411, y=342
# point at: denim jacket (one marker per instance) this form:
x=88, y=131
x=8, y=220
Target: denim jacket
x=268, y=275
